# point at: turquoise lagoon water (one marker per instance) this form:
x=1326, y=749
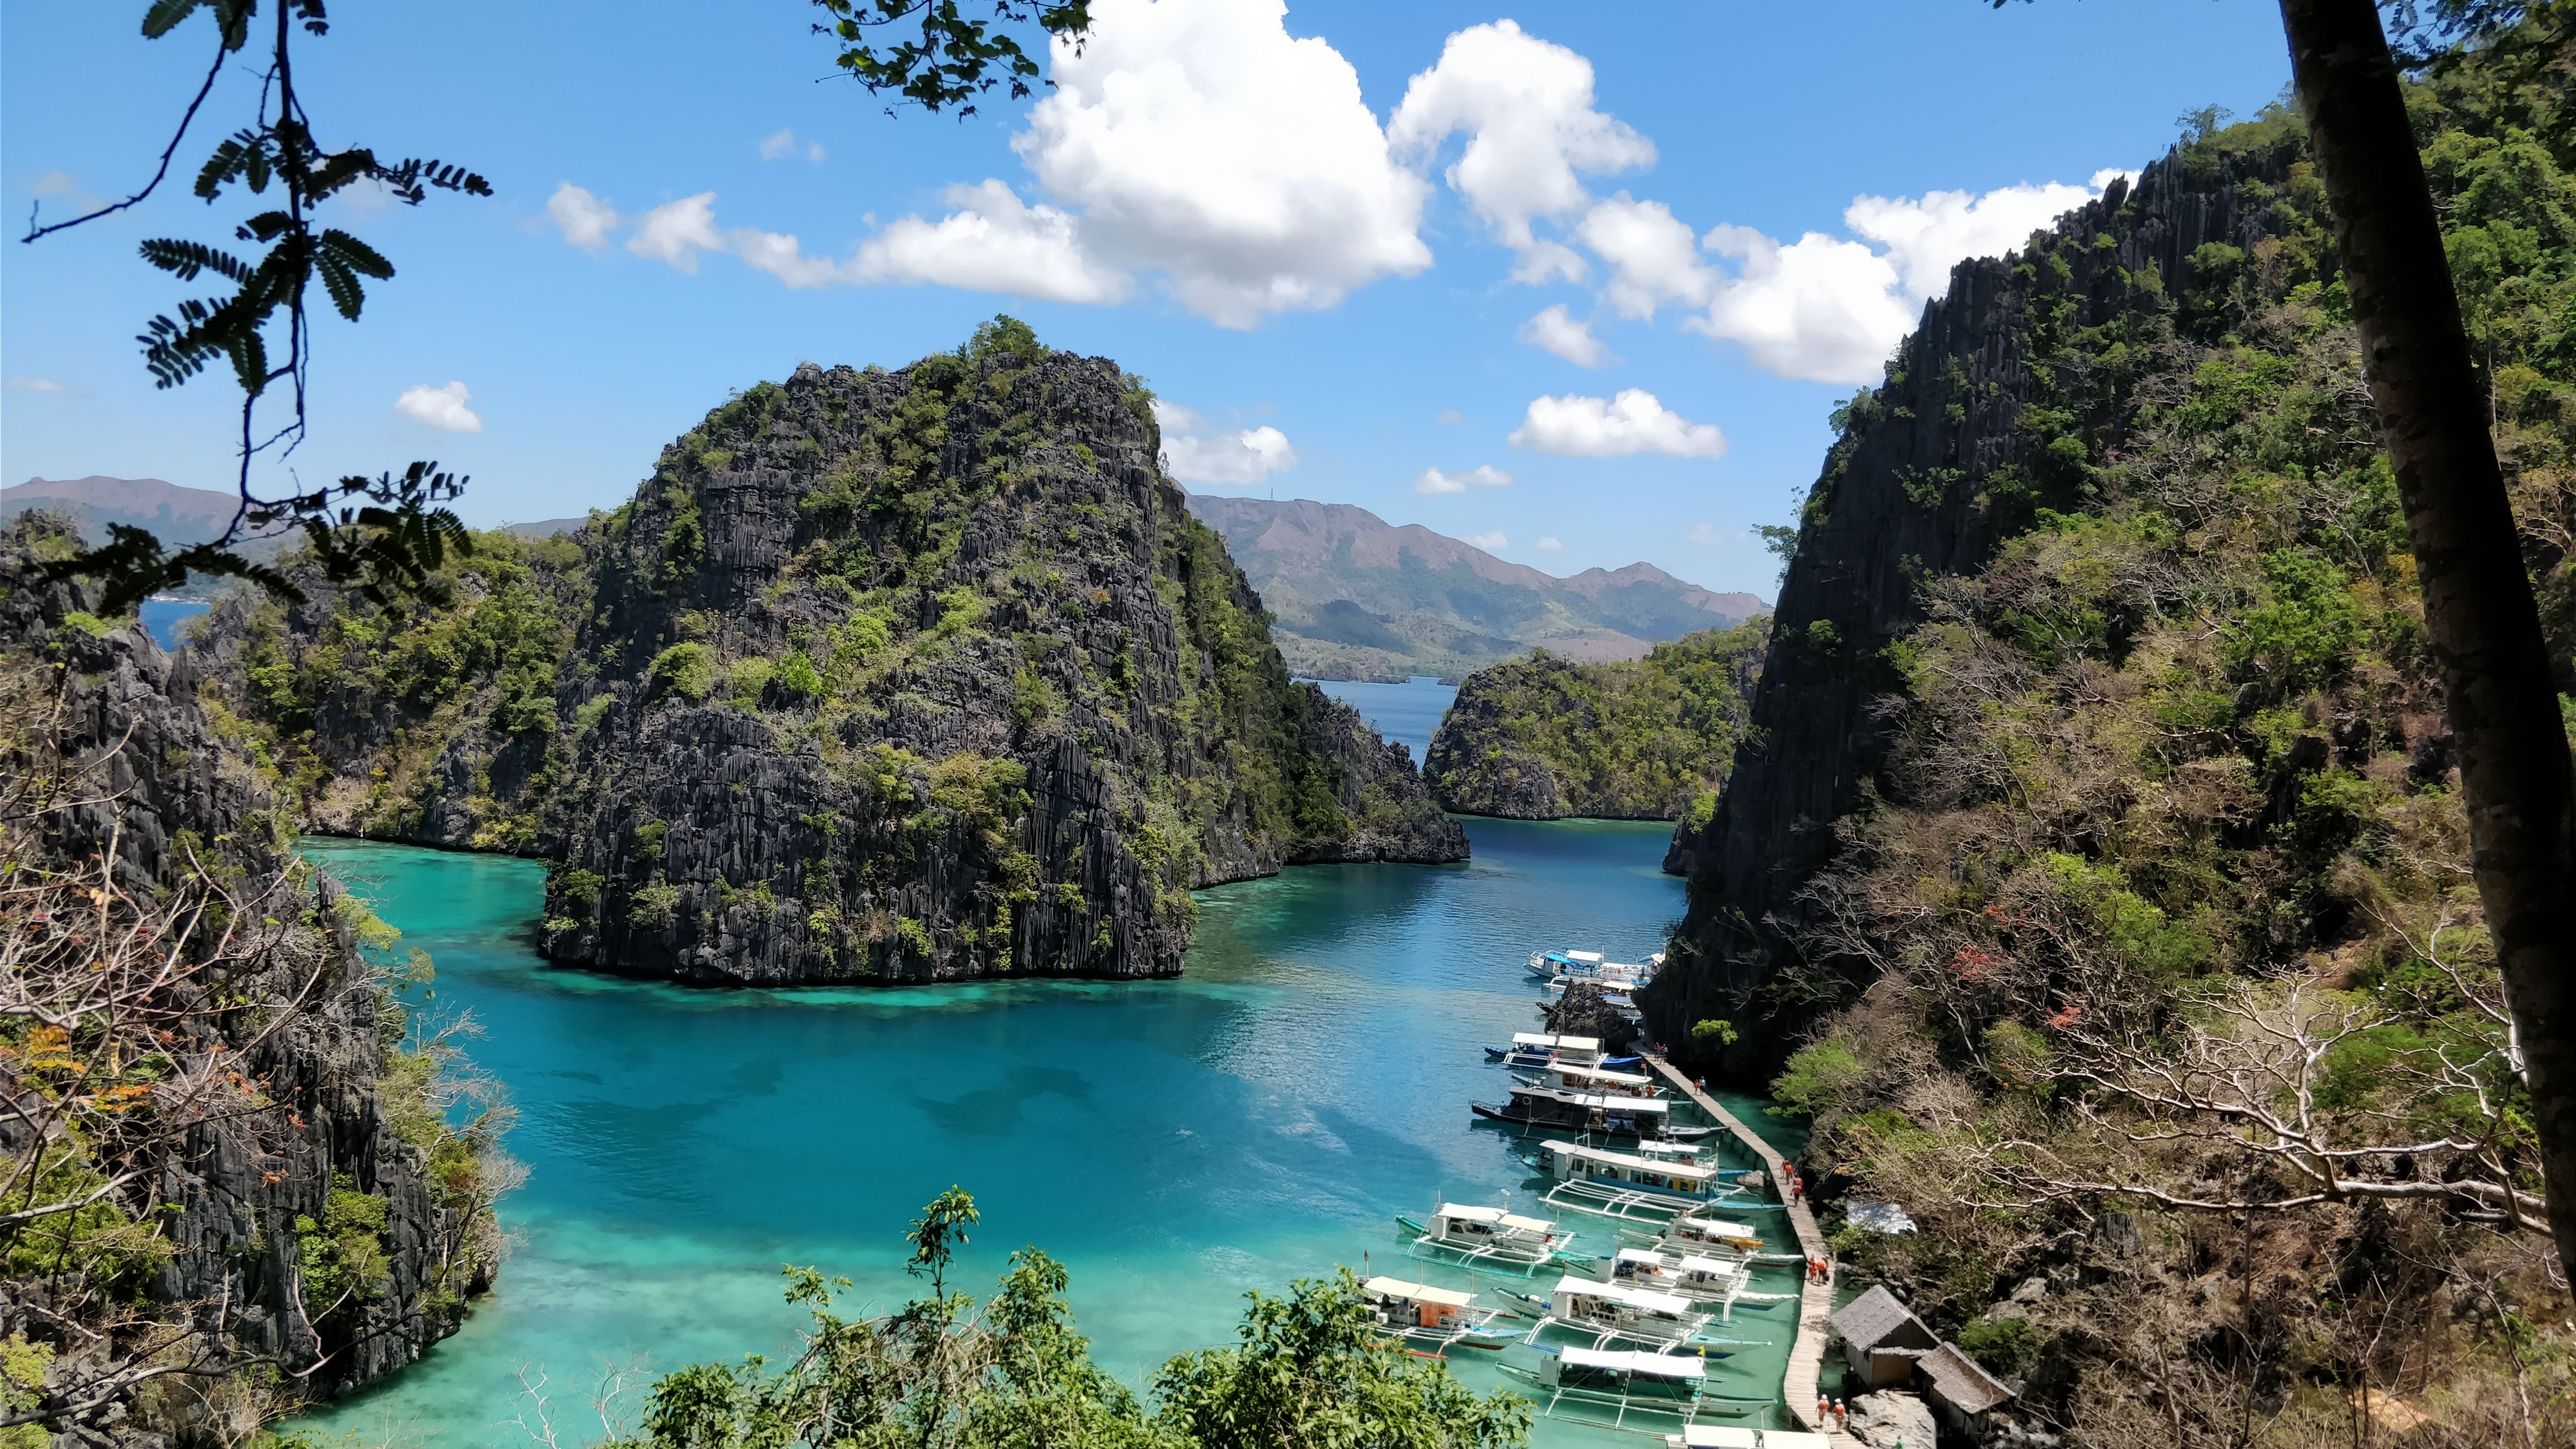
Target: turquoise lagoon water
x=1174, y=1143
x=1407, y=714
x=163, y=617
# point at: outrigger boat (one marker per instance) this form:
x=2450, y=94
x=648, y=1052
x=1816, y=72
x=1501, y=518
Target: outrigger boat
x=1693, y=1277
x=1613, y=993
x=1693, y=1233
x=1619, y=1313
x=1589, y=966
x=1626, y=1185
x=1437, y=1319
x=1591, y=1112
x=1621, y=1384
x=1547, y=1049
x=1729, y=1436
x=1610, y=1387
x=1543, y=964
x=1568, y=1077
x=1491, y=1237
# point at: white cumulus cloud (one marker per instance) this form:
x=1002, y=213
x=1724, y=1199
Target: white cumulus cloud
x=677, y=231
x=1490, y=541
x=1526, y=107
x=584, y=219
x=44, y=385
x=1194, y=452
x=1709, y=535
x=1200, y=140
x=1633, y=422
x=1557, y=330
x=1551, y=543
x=992, y=242
x=1482, y=476
x=1451, y=418
x=783, y=142
x=1653, y=257
x=1832, y=310
x=1818, y=308
x=1925, y=237
x=440, y=407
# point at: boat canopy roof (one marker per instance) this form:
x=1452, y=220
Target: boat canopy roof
x=1468, y=1212
x=1687, y=1263
x=1717, y=1436
x=1625, y=1361
x=1603, y=1074
x=1420, y=1292
x=1626, y=1159
x=1644, y=1299
x=1651, y=1148
x=1551, y=1039
x=1577, y=955
x=1720, y=1228
x=1648, y=1106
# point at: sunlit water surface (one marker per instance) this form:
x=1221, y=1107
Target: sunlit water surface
x=1174, y=1143
x=1407, y=714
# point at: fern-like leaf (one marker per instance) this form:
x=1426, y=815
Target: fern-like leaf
x=346, y=294
x=228, y=159
x=356, y=255
x=185, y=259
x=165, y=15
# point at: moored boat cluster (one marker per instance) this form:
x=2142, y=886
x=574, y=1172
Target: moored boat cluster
x=1625, y=1278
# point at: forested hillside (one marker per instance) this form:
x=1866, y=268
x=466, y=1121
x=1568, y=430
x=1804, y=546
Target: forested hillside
x=2098, y=836
x=1543, y=738
x=881, y=675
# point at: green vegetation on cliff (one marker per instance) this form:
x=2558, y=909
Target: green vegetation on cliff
x=2148, y=975
x=880, y=675
x=1543, y=738
x=240, y=1163
x=374, y=718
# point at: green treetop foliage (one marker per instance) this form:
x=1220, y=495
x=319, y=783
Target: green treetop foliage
x=945, y=1372
x=2172, y=787
x=1636, y=739
x=953, y=59
x=386, y=536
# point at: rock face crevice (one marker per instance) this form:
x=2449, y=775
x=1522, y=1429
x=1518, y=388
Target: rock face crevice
x=171, y=795
x=1933, y=470
x=896, y=676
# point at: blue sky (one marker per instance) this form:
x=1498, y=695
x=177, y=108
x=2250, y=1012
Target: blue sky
x=1367, y=249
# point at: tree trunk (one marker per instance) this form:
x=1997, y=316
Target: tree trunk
x=2478, y=606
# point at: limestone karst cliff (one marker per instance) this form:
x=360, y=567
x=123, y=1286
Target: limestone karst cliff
x=2018, y=384
x=271, y=1206
x=882, y=675
x=1545, y=737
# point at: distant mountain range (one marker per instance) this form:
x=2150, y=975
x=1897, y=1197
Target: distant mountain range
x=175, y=515
x=1355, y=597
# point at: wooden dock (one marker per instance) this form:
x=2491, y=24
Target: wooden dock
x=1816, y=1300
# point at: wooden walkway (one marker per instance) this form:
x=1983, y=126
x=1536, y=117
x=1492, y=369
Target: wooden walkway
x=1816, y=1300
